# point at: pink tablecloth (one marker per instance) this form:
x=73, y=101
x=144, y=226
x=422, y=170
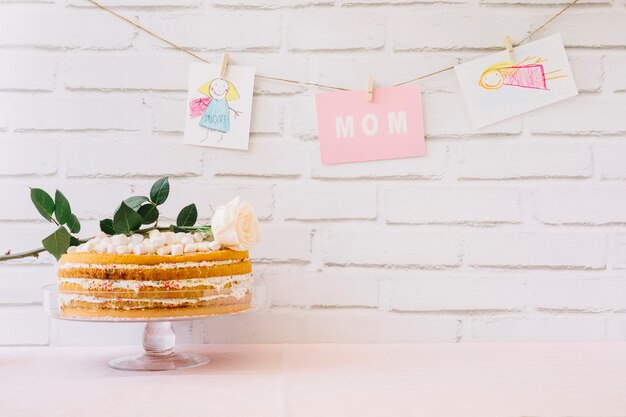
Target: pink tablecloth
x=430, y=380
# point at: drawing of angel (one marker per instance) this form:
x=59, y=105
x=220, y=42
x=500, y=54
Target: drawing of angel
x=215, y=108
x=524, y=74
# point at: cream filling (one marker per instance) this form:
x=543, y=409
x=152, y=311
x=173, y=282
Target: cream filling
x=130, y=285
x=175, y=265
x=65, y=299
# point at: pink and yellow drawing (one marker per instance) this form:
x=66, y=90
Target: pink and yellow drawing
x=524, y=74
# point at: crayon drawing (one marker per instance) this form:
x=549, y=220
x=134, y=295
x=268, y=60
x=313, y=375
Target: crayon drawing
x=529, y=73
x=496, y=88
x=218, y=113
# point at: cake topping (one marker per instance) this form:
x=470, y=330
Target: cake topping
x=161, y=243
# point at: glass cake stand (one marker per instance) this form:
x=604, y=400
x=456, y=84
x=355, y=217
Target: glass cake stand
x=159, y=339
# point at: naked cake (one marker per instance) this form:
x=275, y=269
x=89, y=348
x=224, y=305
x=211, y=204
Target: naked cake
x=162, y=273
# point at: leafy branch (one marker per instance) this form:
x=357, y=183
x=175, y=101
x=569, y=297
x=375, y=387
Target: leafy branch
x=132, y=213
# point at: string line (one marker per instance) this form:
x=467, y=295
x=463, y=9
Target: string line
x=312, y=84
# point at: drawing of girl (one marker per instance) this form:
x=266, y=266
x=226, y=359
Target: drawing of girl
x=215, y=109
x=525, y=74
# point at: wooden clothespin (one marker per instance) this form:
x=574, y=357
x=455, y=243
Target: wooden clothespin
x=370, y=88
x=224, y=65
x=508, y=44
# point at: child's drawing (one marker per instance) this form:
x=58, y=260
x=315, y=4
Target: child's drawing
x=215, y=109
x=496, y=88
x=529, y=73
x=217, y=121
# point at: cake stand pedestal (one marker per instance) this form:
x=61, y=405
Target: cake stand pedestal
x=159, y=339
x=158, y=345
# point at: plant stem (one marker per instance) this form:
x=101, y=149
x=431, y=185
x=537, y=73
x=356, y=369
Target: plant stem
x=37, y=251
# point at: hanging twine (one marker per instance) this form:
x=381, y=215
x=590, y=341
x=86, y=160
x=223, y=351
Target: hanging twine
x=306, y=83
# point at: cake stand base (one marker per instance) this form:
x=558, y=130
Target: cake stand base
x=158, y=363
x=158, y=343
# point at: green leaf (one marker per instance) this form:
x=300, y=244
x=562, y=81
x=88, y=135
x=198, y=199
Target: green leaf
x=43, y=202
x=74, y=241
x=58, y=242
x=106, y=226
x=187, y=216
x=159, y=191
x=62, y=209
x=136, y=201
x=126, y=220
x=149, y=213
x=73, y=224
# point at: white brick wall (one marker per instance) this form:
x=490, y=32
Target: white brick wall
x=515, y=232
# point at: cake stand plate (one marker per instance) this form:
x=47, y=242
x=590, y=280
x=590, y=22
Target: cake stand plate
x=159, y=339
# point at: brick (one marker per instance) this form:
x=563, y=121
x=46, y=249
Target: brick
x=604, y=29
x=32, y=73
x=168, y=114
x=524, y=159
x=386, y=71
x=340, y=30
x=299, y=117
x=432, y=166
x=22, y=284
x=208, y=196
x=435, y=205
x=158, y=157
x=168, y=72
x=20, y=237
x=280, y=66
x=91, y=200
x=538, y=329
x=582, y=115
x=329, y=201
x=618, y=251
x=288, y=159
x=537, y=250
x=417, y=292
x=608, y=158
x=64, y=30
x=76, y=113
x=331, y=287
x=235, y=31
x=265, y=326
x=588, y=74
x=438, y=109
x=267, y=115
x=591, y=294
x=590, y=205
x=342, y=246
x=23, y=325
x=617, y=67
x=142, y=3
x=17, y=156
x=429, y=30
x=541, y=2
x=71, y=333
x=271, y=4
x=283, y=243
x=354, y=326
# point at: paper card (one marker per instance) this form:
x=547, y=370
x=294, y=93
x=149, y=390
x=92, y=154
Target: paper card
x=219, y=110
x=352, y=129
x=496, y=88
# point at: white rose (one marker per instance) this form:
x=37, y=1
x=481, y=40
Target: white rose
x=235, y=225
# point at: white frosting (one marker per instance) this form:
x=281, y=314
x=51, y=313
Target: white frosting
x=65, y=299
x=175, y=265
x=111, y=285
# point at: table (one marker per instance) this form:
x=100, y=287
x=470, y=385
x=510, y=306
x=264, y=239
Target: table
x=430, y=380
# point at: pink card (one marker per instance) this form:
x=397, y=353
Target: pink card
x=352, y=129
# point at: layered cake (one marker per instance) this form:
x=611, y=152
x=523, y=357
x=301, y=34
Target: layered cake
x=157, y=275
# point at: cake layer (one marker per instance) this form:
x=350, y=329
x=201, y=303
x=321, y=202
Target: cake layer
x=154, y=272
x=107, y=258
x=188, y=288
x=69, y=311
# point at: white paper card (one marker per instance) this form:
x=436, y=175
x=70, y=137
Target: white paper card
x=219, y=110
x=495, y=88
